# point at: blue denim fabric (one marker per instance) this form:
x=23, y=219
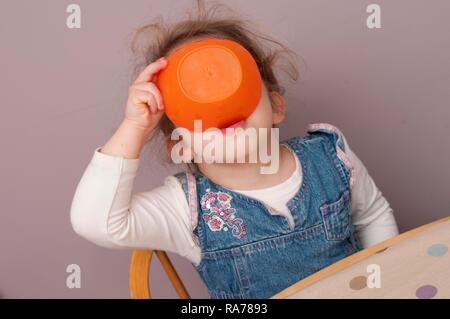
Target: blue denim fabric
x=249, y=253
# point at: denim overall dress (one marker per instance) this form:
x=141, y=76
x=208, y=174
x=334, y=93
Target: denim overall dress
x=247, y=252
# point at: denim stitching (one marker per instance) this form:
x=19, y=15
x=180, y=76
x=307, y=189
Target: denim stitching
x=263, y=244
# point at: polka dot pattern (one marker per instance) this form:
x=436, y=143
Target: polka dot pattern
x=358, y=283
x=437, y=250
x=434, y=252
x=426, y=292
x=429, y=291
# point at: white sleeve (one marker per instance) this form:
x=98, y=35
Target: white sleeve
x=371, y=213
x=105, y=211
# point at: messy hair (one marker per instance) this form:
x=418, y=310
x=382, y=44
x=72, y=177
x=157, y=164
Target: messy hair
x=159, y=38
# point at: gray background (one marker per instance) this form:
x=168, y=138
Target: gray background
x=63, y=93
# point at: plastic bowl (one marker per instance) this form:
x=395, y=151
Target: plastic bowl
x=211, y=79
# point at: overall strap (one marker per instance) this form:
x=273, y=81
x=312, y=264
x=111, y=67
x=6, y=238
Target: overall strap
x=193, y=203
x=340, y=146
x=188, y=184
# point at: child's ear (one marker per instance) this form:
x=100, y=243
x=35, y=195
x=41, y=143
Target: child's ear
x=278, y=107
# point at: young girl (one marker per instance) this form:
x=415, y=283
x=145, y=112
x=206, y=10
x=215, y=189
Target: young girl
x=249, y=235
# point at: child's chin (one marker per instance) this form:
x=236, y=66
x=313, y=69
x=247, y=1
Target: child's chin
x=238, y=158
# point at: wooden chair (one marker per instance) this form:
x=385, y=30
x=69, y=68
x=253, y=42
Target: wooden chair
x=140, y=270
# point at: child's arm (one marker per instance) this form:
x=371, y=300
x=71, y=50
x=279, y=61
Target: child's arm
x=105, y=212
x=143, y=111
x=371, y=214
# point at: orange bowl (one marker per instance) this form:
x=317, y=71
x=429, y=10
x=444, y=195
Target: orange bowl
x=211, y=79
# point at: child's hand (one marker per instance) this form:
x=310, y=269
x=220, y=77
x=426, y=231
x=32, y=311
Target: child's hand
x=145, y=105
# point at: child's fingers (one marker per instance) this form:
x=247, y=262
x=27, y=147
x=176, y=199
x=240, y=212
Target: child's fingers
x=154, y=67
x=151, y=102
x=152, y=88
x=146, y=98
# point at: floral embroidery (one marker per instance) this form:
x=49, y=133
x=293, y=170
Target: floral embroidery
x=215, y=223
x=221, y=215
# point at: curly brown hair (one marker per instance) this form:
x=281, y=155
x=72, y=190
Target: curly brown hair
x=158, y=39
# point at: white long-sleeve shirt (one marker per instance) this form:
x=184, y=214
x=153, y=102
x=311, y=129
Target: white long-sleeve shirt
x=105, y=211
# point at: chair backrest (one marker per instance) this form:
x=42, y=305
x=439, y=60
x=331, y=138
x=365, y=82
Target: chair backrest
x=140, y=270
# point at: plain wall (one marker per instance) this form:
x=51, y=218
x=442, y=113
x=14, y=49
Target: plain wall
x=63, y=92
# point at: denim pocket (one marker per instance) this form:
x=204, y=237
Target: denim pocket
x=336, y=217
